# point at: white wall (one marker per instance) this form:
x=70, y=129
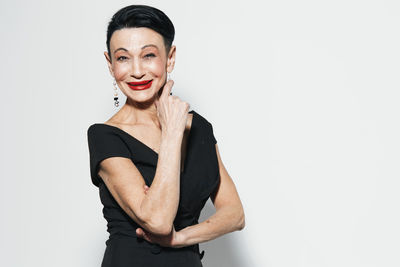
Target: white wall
x=303, y=96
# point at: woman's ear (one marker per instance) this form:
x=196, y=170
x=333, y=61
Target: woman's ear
x=109, y=64
x=171, y=59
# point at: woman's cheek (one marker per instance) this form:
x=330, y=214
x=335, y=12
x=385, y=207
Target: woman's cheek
x=120, y=72
x=157, y=67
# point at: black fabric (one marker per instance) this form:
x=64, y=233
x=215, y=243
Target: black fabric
x=198, y=180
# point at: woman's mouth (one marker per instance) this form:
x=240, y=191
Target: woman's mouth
x=140, y=85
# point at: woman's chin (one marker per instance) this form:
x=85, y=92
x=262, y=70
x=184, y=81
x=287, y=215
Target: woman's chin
x=145, y=99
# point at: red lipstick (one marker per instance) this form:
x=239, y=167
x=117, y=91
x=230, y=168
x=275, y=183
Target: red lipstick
x=140, y=85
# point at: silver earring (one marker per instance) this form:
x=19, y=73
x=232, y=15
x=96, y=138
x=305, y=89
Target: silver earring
x=116, y=103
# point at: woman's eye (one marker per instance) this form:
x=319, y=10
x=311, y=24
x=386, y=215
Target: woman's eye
x=150, y=55
x=121, y=58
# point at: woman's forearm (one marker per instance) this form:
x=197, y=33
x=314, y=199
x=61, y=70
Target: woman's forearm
x=225, y=220
x=161, y=201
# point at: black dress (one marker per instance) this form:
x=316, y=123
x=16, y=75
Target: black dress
x=198, y=180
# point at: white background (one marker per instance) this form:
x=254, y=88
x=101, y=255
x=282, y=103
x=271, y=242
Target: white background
x=304, y=100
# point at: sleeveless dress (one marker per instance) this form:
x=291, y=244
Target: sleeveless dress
x=198, y=181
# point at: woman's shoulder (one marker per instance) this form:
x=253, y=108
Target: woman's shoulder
x=101, y=131
x=206, y=124
x=104, y=127
x=97, y=128
x=202, y=118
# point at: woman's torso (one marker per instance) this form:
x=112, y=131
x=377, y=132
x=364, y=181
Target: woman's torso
x=199, y=179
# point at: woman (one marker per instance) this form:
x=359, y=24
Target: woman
x=155, y=162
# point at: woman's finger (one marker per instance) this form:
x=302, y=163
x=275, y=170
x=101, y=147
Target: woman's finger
x=139, y=233
x=142, y=234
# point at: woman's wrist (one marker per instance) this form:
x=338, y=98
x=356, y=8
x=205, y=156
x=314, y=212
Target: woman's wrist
x=179, y=240
x=171, y=142
x=172, y=135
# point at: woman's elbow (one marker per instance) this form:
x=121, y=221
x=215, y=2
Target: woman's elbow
x=155, y=225
x=241, y=222
x=160, y=229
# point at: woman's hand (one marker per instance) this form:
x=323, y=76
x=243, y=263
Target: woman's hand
x=173, y=239
x=172, y=112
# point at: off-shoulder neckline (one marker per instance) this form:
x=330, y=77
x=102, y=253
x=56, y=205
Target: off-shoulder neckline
x=194, y=117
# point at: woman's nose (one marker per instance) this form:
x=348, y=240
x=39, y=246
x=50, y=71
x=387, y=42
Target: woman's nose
x=137, y=70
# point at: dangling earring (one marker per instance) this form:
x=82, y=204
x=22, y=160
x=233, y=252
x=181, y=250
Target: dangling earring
x=116, y=103
x=169, y=78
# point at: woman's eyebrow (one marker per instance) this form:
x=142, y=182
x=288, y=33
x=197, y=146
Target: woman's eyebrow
x=121, y=48
x=143, y=47
x=153, y=45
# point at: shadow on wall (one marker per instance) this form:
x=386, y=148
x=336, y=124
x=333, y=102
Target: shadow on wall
x=224, y=251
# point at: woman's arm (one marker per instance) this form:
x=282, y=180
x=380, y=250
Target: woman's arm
x=229, y=216
x=154, y=210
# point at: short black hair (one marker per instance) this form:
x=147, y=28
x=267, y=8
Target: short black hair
x=135, y=16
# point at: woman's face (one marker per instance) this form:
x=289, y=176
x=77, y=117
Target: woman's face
x=138, y=54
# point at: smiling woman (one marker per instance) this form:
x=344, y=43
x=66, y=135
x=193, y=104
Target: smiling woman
x=155, y=162
x=138, y=60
